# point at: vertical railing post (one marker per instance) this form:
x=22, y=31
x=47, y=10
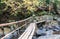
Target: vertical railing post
x=3, y=31
x=18, y=33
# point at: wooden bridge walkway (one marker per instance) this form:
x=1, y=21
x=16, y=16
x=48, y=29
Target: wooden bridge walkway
x=27, y=24
x=24, y=31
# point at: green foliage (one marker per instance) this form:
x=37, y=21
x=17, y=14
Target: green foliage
x=41, y=13
x=0, y=1
x=2, y=6
x=20, y=9
x=47, y=1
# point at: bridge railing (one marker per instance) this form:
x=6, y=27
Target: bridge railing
x=28, y=33
x=25, y=20
x=15, y=33
x=15, y=25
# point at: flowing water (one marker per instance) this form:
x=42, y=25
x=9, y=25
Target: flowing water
x=47, y=30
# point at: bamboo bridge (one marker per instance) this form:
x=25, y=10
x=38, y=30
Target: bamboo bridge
x=24, y=29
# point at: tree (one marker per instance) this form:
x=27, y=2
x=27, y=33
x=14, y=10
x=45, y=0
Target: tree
x=47, y=1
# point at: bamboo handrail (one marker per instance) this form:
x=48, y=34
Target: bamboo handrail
x=13, y=31
x=5, y=24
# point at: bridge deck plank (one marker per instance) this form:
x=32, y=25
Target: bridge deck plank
x=28, y=34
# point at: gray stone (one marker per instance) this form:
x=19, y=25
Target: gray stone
x=47, y=17
x=50, y=37
x=40, y=31
x=58, y=19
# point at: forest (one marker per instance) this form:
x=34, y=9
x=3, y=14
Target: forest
x=14, y=10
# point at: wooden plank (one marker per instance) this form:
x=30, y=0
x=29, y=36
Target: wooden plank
x=28, y=34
